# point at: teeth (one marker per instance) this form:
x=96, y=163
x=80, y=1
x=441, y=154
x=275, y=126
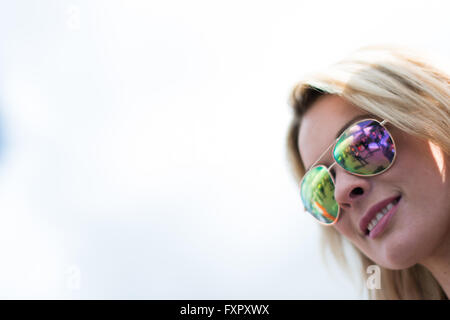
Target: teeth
x=380, y=215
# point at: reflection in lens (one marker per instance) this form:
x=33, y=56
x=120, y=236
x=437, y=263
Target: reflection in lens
x=365, y=148
x=317, y=192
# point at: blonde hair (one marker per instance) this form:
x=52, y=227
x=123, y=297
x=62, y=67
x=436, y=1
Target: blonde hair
x=403, y=88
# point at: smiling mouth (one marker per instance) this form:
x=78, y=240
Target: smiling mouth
x=381, y=217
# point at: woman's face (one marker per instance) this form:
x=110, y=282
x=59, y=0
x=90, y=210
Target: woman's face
x=421, y=223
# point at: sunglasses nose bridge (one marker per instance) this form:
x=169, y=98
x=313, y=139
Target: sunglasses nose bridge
x=331, y=173
x=330, y=167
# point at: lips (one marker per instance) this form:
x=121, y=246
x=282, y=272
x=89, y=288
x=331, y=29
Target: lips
x=371, y=213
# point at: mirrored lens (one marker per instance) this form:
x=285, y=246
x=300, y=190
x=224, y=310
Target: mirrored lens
x=365, y=148
x=317, y=193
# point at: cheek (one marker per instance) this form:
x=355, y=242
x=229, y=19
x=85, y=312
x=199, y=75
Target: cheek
x=345, y=227
x=423, y=176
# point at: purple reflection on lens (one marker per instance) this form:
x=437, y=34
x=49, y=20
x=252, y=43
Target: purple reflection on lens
x=366, y=148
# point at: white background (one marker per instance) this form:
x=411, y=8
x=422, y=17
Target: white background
x=142, y=143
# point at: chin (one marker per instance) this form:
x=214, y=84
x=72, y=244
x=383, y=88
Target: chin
x=397, y=254
x=397, y=265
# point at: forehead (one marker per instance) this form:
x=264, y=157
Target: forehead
x=320, y=124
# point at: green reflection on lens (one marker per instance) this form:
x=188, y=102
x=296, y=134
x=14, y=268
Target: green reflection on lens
x=317, y=193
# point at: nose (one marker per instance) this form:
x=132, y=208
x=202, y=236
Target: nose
x=349, y=189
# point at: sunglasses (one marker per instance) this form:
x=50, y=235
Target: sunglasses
x=365, y=148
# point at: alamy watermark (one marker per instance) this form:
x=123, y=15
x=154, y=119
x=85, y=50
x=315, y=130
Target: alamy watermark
x=373, y=282
x=73, y=278
x=73, y=18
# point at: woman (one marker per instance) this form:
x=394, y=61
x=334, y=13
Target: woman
x=370, y=146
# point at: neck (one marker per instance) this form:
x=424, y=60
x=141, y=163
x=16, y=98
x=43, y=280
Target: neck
x=439, y=265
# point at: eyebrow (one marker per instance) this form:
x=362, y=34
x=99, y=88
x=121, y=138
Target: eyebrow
x=341, y=130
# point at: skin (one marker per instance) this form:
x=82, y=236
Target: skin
x=419, y=232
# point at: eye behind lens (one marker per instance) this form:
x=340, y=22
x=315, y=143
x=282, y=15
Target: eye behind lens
x=366, y=148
